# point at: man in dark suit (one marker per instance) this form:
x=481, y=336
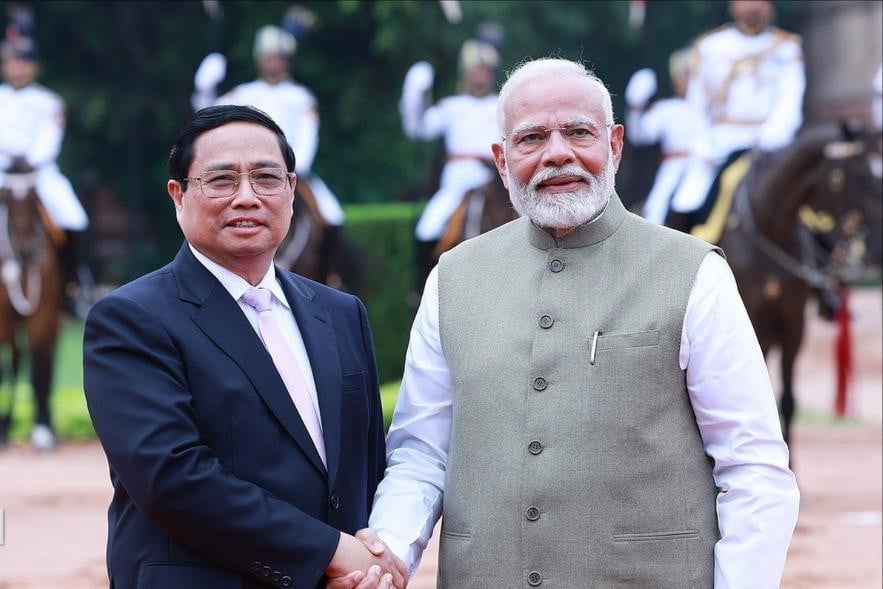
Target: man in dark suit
x=237, y=403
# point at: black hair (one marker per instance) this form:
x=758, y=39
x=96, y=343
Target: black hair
x=213, y=117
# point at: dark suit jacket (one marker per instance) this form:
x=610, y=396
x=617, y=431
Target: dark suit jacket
x=216, y=481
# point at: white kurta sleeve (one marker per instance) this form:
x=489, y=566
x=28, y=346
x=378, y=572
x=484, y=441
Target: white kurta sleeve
x=736, y=412
x=408, y=501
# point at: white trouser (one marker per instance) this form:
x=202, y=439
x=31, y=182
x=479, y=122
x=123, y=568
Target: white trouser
x=329, y=207
x=458, y=177
x=58, y=198
x=702, y=168
x=668, y=177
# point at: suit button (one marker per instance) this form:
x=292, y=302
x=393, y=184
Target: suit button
x=532, y=514
x=334, y=501
x=546, y=321
x=534, y=579
x=286, y=581
x=539, y=383
x=276, y=576
x=266, y=571
x=256, y=566
x=535, y=447
x=556, y=265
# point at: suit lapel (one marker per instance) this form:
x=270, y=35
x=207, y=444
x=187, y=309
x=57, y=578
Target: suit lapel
x=221, y=319
x=316, y=328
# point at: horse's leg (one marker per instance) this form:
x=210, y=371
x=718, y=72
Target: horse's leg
x=791, y=339
x=43, y=329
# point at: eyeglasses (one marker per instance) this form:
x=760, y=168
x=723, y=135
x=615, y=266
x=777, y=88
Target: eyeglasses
x=527, y=141
x=224, y=183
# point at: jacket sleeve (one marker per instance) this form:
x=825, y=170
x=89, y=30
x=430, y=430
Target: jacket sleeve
x=143, y=412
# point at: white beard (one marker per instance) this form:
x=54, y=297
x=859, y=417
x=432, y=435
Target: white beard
x=563, y=210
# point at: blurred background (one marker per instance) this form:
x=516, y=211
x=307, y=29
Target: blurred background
x=125, y=72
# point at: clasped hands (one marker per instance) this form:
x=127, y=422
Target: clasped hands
x=364, y=562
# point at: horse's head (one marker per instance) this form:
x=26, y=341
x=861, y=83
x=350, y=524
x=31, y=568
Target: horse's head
x=843, y=204
x=21, y=227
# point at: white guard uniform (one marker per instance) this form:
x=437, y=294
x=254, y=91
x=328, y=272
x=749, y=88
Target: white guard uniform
x=671, y=123
x=294, y=109
x=469, y=126
x=748, y=91
x=32, y=126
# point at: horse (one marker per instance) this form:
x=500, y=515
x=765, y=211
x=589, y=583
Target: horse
x=30, y=296
x=482, y=209
x=807, y=218
x=315, y=249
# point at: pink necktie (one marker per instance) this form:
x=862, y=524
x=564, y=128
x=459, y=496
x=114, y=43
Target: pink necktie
x=286, y=364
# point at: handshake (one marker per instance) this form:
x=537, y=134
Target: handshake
x=363, y=561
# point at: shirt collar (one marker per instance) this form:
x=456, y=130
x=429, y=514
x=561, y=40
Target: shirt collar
x=235, y=284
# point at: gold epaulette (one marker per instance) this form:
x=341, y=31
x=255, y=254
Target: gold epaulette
x=782, y=35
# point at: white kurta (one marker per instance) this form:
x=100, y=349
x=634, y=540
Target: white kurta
x=735, y=409
x=747, y=91
x=32, y=127
x=469, y=127
x=294, y=109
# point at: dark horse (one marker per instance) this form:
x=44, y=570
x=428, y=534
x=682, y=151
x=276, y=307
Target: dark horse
x=30, y=297
x=482, y=209
x=823, y=181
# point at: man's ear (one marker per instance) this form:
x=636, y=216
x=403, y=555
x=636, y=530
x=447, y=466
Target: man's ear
x=616, y=139
x=176, y=191
x=500, y=161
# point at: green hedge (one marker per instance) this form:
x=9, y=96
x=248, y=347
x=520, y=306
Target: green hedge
x=381, y=237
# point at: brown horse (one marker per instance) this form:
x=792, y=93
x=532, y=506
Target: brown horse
x=809, y=217
x=482, y=209
x=30, y=297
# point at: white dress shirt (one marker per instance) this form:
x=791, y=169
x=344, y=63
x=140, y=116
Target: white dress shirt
x=237, y=286
x=735, y=410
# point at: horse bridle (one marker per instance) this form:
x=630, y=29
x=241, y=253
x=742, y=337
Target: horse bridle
x=806, y=268
x=24, y=303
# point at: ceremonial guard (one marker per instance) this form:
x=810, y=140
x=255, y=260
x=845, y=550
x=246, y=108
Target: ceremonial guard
x=31, y=132
x=290, y=104
x=747, y=89
x=468, y=123
x=669, y=122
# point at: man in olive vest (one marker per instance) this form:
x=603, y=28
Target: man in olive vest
x=584, y=398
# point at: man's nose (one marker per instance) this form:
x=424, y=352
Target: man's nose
x=557, y=151
x=245, y=194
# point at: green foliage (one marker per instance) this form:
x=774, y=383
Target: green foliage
x=125, y=70
x=384, y=236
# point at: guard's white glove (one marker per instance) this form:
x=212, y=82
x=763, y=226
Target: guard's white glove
x=418, y=79
x=641, y=87
x=210, y=73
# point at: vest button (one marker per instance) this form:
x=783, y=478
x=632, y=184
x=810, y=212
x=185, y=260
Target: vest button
x=334, y=501
x=534, y=579
x=539, y=383
x=546, y=321
x=556, y=265
x=535, y=447
x=532, y=514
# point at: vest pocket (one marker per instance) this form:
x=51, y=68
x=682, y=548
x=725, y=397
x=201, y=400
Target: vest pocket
x=616, y=341
x=652, y=536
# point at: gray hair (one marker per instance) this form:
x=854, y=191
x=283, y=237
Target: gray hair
x=548, y=67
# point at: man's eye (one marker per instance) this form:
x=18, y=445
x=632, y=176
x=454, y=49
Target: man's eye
x=222, y=180
x=531, y=138
x=580, y=133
